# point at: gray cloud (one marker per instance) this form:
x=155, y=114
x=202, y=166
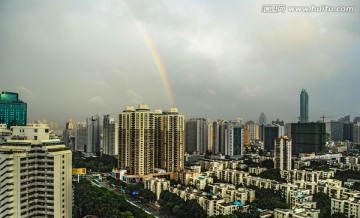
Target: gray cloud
x=72, y=59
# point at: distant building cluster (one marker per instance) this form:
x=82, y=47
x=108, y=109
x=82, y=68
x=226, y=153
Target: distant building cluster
x=155, y=146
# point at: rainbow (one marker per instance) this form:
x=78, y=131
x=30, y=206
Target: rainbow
x=150, y=45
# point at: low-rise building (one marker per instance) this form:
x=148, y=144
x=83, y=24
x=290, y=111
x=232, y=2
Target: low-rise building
x=348, y=206
x=232, y=194
x=256, y=170
x=200, y=181
x=298, y=213
x=306, y=175
x=157, y=185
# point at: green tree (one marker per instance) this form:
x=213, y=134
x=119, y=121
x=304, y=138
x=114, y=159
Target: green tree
x=273, y=174
x=268, y=164
x=89, y=199
x=338, y=215
x=323, y=202
x=268, y=199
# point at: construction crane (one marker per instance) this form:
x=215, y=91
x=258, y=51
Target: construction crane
x=323, y=117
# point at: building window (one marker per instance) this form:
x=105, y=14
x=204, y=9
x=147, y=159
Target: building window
x=35, y=137
x=35, y=130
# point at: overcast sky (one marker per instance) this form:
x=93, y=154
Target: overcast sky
x=224, y=59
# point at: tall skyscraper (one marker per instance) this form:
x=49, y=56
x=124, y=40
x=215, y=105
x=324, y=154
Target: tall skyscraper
x=229, y=138
x=356, y=134
x=254, y=130
x=13, y=112
x=282, y=153
x=348, y=131
x=110, y=136
x=196, y=135
x=271, y=132
x=304, y=107
x=308, y=137
x=169, y=140
x=37, y=176
x=93, y=136
x=218, y=141
x=235, y=145
x=137, y=140
x=69, y=135
x=262, y=119
x=81, y=136
x=337, y=131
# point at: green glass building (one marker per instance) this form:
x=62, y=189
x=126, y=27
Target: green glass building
x=13, y=112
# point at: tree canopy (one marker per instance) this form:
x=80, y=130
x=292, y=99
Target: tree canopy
x=323, y=202
x=176, y=206
x=103, y=164
x=273, y=174
x=269, y=199
x=92, y=200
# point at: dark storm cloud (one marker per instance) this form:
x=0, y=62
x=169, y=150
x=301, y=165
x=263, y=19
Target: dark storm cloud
x=72, y=59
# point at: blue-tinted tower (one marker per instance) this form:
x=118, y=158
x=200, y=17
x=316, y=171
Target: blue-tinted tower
x=13, y=112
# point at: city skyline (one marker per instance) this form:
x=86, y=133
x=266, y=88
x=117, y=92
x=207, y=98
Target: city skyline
x=215, y=60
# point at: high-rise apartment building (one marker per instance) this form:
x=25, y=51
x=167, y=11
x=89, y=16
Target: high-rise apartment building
x=304, y=107
x=13, y=112
x=169, y=140
x=137, y=140
x=196, y=135
x=35, y=176
x=308, y=137
x=110, y=136
x=262, y=119
x=282, y=153
x=93, y=136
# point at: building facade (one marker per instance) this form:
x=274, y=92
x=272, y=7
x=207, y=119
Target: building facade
x=93, y=136
x=110, y=136
x=337, y=131
x=196, y=135
x=356, y=134
x=308, y=137
x=36, y=174
x=13, y=112
x=81, y=135
x=271, y=132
